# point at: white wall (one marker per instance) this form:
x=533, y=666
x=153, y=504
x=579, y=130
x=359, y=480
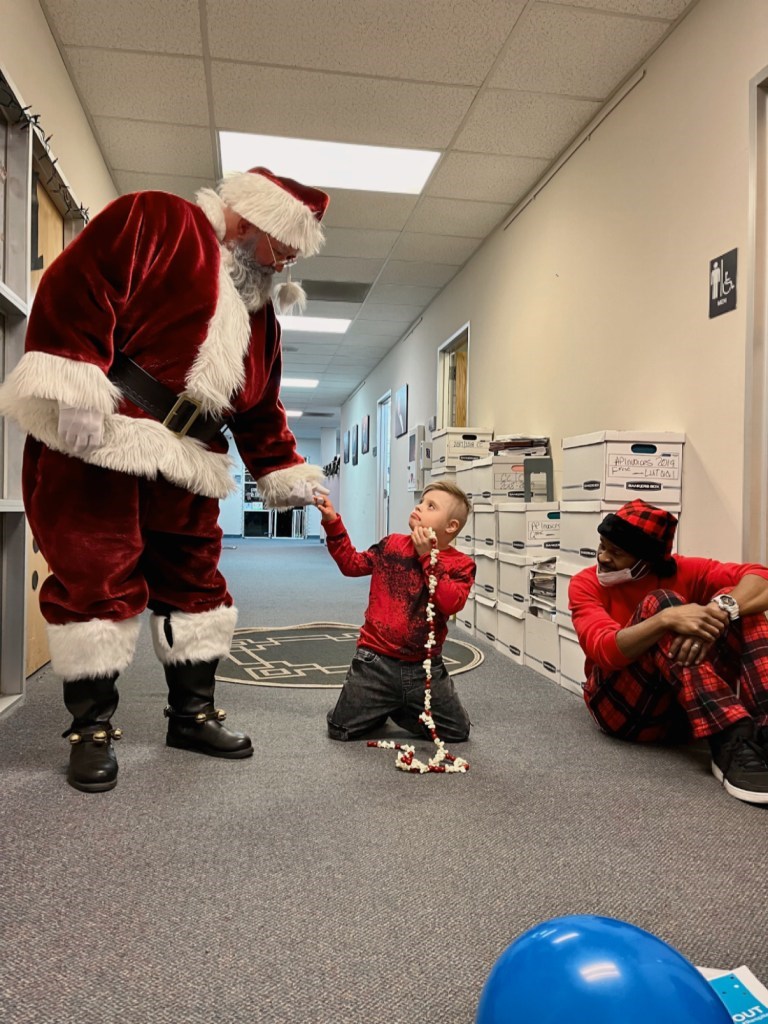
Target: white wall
x=591, y=310
x=310, y=450
x=30, y=58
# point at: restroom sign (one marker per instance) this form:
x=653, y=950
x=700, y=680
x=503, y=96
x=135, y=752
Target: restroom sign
x=722, y=283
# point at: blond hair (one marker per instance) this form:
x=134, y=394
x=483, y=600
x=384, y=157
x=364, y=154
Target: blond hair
x=462, y=504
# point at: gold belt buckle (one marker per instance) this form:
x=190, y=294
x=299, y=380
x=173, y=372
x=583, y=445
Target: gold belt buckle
x=183, y=399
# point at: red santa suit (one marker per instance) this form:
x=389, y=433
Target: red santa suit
x=134, y=522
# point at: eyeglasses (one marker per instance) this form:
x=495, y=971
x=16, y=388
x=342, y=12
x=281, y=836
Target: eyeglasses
x=282, y=261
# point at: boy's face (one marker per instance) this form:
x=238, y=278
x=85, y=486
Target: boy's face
x=436, y=509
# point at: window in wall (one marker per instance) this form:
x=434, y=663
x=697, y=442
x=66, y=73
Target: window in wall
x=453, y=381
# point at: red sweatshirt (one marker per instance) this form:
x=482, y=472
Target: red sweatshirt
x=599, y=613
x=396, y=617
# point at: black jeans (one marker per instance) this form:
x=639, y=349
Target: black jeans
x=378, y=687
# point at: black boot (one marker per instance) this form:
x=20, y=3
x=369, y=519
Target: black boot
x=193, y=722
x=92, y=761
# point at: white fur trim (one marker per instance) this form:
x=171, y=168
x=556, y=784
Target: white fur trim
x=288, y=295
x=141, y=447
x=204, y=636
x=218, y=371
x=98, y=647
x=269, y=207
x=69, y=381
x=275, y=487
x=213, y=208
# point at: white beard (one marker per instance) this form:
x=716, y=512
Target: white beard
x=252, y=281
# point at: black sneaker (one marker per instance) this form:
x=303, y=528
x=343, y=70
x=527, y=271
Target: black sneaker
x=741, y=764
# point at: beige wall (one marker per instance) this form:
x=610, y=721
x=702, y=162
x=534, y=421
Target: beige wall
x=29, y=56
x=591, y=311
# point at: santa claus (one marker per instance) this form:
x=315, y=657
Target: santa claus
x=153, y=330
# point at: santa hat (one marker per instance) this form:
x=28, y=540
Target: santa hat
x=284, y=208
x=645, y=531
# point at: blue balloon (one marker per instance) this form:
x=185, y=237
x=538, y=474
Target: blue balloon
x=596, y=970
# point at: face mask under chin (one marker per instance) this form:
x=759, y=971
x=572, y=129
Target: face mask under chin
x=613, y=579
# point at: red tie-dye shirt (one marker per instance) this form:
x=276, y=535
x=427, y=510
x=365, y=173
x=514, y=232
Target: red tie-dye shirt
x=396, y=617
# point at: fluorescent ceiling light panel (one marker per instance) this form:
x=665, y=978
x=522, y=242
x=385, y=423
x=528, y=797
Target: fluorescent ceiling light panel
x=330, y=164
x=293, y=413
x=298, y=382
x=317, y=324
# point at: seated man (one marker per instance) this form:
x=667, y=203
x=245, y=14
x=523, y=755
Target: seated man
x=677, y=647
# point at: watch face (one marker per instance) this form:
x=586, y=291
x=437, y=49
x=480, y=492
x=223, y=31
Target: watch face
x=727, y=600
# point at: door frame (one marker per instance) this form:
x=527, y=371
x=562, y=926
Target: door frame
x=755, y=496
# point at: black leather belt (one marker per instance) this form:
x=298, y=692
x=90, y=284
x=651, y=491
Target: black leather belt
x=179, y=413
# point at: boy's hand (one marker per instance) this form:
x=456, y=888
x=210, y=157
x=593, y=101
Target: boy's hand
x=422, y=539
x=327, y=511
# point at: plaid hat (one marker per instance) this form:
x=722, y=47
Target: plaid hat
x=645, y=531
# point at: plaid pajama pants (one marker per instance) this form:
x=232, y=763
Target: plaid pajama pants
x=656, y=700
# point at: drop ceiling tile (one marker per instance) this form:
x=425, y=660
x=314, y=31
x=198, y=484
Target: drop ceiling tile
x=457, y=217
x=359, y=244
x=436, y=275
x=379, y=312
x=435, y=248
x=574, y=52
x=138, y=181
x=340, y=310
x=350, y=208
x=139, y=85
x=524, y=124
x=495, y=179
x=431, y=40
x=318, y=105
x=369, y=345
x=155, y=148
x=304, y=356
x=334, y=268
x=668, y=9
x=172, y=26
x=318, y=348
x=355, y=364
x=402, y=294
x=384, y=329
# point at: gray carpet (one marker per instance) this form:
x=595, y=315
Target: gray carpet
x=315, y=883
x=312, y=655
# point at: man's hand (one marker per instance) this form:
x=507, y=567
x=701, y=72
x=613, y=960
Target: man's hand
x=697, y=626
x=422, y=539
x=304, y=492
x=327, y=511
x=684, y=650
x=295, y=485
x=81, y=430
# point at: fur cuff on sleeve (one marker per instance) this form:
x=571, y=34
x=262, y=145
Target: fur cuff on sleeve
x=69, y=381
x=275, y=488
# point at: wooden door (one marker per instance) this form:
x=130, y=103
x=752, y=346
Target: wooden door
x=50, y=242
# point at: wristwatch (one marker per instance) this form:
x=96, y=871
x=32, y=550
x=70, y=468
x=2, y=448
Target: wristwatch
x=728, y=605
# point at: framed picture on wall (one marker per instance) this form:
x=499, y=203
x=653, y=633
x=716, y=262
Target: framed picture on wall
x=346, y=446
x=365, y=434
x=354, y=445
x=401, y=411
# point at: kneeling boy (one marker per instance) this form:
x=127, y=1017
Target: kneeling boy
x=387, y=676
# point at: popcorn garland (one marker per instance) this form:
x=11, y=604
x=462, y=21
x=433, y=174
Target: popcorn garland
x=406, y=761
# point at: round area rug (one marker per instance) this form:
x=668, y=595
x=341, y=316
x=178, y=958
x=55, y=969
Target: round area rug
x=312, y=655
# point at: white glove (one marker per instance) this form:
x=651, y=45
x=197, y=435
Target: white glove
x=303, y=493
x=81, y=430
x=295, y=485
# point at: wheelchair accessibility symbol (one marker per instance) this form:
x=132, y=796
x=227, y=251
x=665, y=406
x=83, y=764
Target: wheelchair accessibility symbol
x=722, y=283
